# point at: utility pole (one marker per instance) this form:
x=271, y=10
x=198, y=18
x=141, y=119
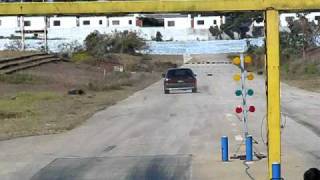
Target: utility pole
x=22, y=32
x=45, y=34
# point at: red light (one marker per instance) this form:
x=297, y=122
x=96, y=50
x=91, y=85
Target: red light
x=252, y=109
x=238, y=109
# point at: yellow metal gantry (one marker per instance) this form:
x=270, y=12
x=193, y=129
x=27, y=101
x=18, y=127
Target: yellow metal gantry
x=270, y=7
x=135, y=6
x=273, y=87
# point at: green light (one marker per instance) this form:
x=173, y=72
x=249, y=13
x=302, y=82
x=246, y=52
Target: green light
x=250, y=92
x=238, y=92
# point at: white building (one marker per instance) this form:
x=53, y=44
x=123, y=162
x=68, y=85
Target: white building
x=93, y=21
x=178, y=22
x=7, y=22
x=315, y=16
x=122, y=22
x=284, y=18
x=62, y=22
x=258, y=24
x=204, y=22
x=36, y=23
x=176, y=27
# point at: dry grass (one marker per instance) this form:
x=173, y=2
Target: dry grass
x=307, y=82
x=21, y=114
x=12, y=54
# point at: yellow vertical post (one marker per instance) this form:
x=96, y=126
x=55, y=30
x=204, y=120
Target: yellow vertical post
x=273, y=88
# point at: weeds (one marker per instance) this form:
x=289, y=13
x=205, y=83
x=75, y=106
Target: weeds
x=311, y=69
x=112, y=81
x=24, y=103
x=19, y=78
x=82, y=57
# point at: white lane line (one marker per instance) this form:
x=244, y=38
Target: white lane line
x=238, y=138
x=229, y=115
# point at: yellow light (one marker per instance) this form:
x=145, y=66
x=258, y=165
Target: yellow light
x=250, y=76
x=248, y=59
x=237, y=77
x=236, y=60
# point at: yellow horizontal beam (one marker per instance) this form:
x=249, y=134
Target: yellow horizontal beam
x=109, y=7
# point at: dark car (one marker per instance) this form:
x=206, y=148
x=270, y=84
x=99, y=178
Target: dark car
x=180, y=79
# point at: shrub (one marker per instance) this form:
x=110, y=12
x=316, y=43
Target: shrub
x=14, y=45
x=99, y=45
x=67, y=49
x=257, y=53
x=216, y=32
x=158, y=36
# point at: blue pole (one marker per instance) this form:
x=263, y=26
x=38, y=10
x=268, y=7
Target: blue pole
x=224, y=148
x=276, y=171
x=249, y=148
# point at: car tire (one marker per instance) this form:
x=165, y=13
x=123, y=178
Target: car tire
x=194, y=90
x=166, y=91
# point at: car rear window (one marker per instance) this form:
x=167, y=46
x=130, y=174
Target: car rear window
x=179, y=73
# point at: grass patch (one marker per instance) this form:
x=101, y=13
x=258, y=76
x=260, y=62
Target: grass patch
x=21, y=115
x=311, y=69
x=25, y=102
x=19, y=78
x=82, y=57
x=9, y=115
x=112, y=81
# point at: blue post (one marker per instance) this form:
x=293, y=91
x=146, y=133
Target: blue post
x=249, y=148
x=276, y=171
x=224, y=148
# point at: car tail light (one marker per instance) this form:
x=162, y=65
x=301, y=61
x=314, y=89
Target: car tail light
x=169, y=80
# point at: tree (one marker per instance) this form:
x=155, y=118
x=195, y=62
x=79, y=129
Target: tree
x=158, y=36
x=240, y=23
x=99, y=45
x=302, y=35
x=216, y=31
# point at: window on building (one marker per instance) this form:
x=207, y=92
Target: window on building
x=27, y=23
x=317, y=18
x=200, y=22
x=171, y=23
x=100, y=22
x=87, y=22
x=56, y=23
x=115, y=22
x=0, y=23
x=130, y=21
x=214, y=22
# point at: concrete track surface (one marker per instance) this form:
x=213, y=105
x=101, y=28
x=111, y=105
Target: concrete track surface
x=153, y=136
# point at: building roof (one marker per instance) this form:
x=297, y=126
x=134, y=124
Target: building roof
x=162, y=16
